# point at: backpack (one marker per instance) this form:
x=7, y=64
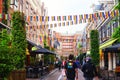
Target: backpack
x=70, y=69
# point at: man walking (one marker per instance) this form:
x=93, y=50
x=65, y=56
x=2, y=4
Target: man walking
x=89, y=70
x=71, y=69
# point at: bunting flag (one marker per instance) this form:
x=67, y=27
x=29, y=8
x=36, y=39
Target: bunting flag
x=47, y=25
x=42, y=18
x=0, y=16
x=106, y=14
x=6, y=16
x=59, y=18
x=101, y=15
x=63, y=23
x=81, y=17
x=51, y=25
x=80, y=21
x=34, y=18
x=31, y=18
x=86, y=16
x=71, y=22
x=47, y=18
x=67, y=23
x=53, y=18
x=40, y=39
x=90, y=17
x=97, y=15
x=117, y=12
x=64, y=18
x=55, y=25
x=28, y=18
x=70, y=17
x=59, y=24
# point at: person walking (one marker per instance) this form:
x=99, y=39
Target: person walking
x=59, y=64
x=71, y=69
x=89, y=70
x=78, y=64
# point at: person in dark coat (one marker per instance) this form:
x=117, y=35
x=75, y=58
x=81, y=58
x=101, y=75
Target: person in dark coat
x=71, y=69
x=89, y=70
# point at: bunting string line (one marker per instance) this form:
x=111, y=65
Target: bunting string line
x=93, y=16
x=66, y=20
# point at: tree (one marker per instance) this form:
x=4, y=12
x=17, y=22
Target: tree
x=94, y=46
x=48, y=58
x=116, y=33
x=19, y=43
x=6, y=59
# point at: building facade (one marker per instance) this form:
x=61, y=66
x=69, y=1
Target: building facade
x=35, y=29
x=66, y=43
x=105, y=27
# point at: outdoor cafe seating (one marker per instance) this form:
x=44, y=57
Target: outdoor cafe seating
x=36, y=71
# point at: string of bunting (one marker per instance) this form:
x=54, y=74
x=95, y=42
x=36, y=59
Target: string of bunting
x=67, y=20
x=71, y=19
x=94, y=16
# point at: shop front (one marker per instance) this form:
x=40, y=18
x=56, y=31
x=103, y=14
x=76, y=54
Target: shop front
x=107, y=60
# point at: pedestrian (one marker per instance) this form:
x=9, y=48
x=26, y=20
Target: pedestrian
x=59, y=64
x=89, y=70
x=63, y=63
x=83, y=61
x=71, y=69
x=78, y=64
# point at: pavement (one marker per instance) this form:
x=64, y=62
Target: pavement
x=57, y=75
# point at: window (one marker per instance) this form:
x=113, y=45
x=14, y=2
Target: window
x=12, y=2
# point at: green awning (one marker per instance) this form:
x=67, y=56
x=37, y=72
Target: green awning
x=107, y=44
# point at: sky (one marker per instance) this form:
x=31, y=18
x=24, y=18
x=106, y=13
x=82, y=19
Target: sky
x=69, y=7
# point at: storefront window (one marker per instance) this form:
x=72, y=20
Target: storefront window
x=117, y=59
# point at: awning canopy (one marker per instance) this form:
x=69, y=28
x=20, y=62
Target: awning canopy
x=42, y=51
x=107, y=44
x=30, y=42
x=114, y=48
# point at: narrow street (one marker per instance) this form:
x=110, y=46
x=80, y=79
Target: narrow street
x=58, y=75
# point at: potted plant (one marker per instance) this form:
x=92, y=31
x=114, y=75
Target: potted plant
x=18, y=46
x=94, y=48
